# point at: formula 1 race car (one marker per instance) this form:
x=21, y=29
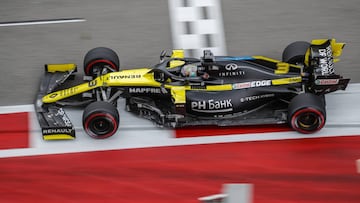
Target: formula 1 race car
x=181, y=91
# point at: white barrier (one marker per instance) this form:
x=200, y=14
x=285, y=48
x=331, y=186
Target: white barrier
x=232, y=193
x=217, y=198
x=197, y=25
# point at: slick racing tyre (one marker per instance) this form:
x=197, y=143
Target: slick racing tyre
x=100, y=120
x=295, y=52
x=306, y=113
x=99, y=58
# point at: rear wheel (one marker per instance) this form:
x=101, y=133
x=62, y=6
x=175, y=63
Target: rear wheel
x=100, y=58
x=100, y=120
x=295, y=52
x=307, y=113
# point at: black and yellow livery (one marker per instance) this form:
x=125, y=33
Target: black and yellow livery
x=180, y=91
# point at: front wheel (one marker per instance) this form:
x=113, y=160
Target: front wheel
x=307, y=113
x=100, y=58
x=100, y=120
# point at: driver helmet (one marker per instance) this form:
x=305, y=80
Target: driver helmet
x=189, y=70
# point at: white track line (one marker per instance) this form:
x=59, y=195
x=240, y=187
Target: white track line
x=16, y=109
x=41, y=22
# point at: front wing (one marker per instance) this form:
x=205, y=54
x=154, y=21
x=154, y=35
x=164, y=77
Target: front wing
x=54, y=123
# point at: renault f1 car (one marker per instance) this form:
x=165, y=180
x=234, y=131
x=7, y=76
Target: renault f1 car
x=181, y=91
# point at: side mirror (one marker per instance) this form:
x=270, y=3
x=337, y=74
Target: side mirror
x=162, y=55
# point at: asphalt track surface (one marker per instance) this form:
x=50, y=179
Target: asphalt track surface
x=139, y=30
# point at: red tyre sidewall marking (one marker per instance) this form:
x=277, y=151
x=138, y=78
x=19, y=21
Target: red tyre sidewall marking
x=90, y=118
x=87, y=69
x=310, y=110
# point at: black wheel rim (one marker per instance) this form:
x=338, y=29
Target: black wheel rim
x=308, y=121
x=101, y=126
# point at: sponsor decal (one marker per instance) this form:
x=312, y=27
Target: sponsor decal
x=232, y=73
x=57, y=131
x=212, y=106
x=259, y=83
x=327, y=82
x=232, y=70
x=326, y=62
x=256, y=97
x=119, y=77
x=63, y=116
x=231, y=66
x=146, y=90
x=241, y=85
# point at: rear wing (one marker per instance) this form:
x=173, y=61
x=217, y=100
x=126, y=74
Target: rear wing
x=320, y=59
x=322, y=55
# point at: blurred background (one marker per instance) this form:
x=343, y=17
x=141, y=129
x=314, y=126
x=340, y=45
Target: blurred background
x=139, y=30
